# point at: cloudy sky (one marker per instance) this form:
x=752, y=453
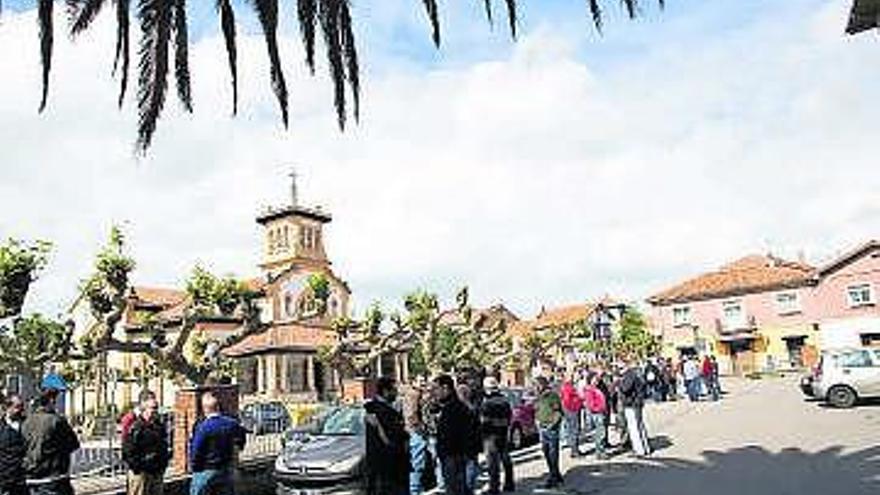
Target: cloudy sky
x=547, y=171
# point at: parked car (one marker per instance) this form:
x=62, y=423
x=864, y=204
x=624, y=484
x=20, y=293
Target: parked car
x=325, y=456
x=523, y=428
x=265, y=417
x=844, y=376
x=807, y=384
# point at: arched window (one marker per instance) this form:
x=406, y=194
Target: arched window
x=289, y=309
x=271, y=242
x=286, y=237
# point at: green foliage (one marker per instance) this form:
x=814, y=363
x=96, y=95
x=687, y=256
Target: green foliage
x=318, y=292
x=32, y=343
x=210, y=293
x=632, y=336
x=20, y=263
x=106, y=288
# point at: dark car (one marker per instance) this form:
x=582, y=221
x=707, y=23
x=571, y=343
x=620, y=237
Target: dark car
x=523, y=429
x=326, y=456
x=265, y=417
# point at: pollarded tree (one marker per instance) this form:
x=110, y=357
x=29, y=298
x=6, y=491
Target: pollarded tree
x=437, y=341
x=173, y=344
x=164, y=46
x=28, y=343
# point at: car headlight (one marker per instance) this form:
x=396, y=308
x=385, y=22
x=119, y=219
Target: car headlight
x=346, y=465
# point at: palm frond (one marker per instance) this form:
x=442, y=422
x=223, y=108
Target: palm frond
x=434, y=17
x=227, y=24
x=487, y=4
x=181, y=55
x=632, y=7
x=596, y=12
x=122, y=46
x=82, y=13
x=307, y=13
x=328, y=14
x=156, y=19
x=267, y=12
x=511, y=17
x=44, y=14
x=349, y=51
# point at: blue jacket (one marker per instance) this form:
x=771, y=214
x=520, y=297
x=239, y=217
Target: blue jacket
x=213, y=443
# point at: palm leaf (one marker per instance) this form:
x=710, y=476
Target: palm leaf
x=181, y=55
x=596, y=12
x=632, y=7
x=328, y=14
x=44, y=14
x=433, y=16
x=350, y=55
x=267, y=12
x=122, y=45
x=83, y=12
x=307, y=13
x=227, y=24
x=156, y=19
x=511, y=17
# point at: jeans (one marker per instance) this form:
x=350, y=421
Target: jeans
x=418, y=459
x=550, y=447
x=438, y=466
x=212, y=482
x=472, y=472
x=638, y=435
x=496, y=457
x=59, y=487
x=713, y=388
x=693, y=389
x=599, y=433
x=455, y=474
x=573, y=431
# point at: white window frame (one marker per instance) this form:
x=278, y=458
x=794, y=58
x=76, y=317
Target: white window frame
x=856, y=304
x=793, y=307
x=684, y=309
x=740, y=321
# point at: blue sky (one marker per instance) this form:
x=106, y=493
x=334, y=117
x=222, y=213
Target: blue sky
x=558, y=168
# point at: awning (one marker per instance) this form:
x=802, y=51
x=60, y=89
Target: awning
x=731, y=337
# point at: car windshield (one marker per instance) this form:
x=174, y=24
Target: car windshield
x=344, y=421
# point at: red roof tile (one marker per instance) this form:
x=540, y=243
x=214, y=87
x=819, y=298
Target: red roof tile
x=281, y=337
x=750, y=274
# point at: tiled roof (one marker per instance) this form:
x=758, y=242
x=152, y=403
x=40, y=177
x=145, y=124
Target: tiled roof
x=285, y=336
x=156, y=296
x=564, y=315
x=746, y=275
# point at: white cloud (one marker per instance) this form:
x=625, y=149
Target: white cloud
x=533, y=177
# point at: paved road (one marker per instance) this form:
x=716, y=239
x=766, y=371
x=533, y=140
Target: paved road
x=763, y=438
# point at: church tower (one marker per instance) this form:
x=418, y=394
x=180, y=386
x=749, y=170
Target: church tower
x=293, y=235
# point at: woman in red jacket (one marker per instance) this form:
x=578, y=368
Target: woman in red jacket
x=571, y=405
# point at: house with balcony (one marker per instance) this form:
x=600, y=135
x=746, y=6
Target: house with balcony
x=751, y=313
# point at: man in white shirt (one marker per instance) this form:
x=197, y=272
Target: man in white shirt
x=691, y=373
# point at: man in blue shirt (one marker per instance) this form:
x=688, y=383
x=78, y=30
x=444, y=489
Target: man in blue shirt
x=212, y=450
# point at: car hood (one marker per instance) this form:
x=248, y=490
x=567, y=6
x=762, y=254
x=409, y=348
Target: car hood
x=323, y=451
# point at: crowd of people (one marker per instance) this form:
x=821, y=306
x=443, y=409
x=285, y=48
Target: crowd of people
x=36, y=446
x=433, y=436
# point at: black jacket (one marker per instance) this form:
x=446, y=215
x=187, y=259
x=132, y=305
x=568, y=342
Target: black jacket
x=632, y=388
x=12, y=452
x=50, y=441
x=145, y=448
x=389, y=459
x=454, y=425
x=495, y=417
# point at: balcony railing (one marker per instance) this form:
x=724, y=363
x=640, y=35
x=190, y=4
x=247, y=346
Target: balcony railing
x=742, y=325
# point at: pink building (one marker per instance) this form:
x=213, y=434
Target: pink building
x=763, y=313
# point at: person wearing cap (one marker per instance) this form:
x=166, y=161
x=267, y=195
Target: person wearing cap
x=50, y=441
x=495, y=418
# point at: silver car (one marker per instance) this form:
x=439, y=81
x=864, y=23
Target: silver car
x=326, y=457
x=844, y=376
